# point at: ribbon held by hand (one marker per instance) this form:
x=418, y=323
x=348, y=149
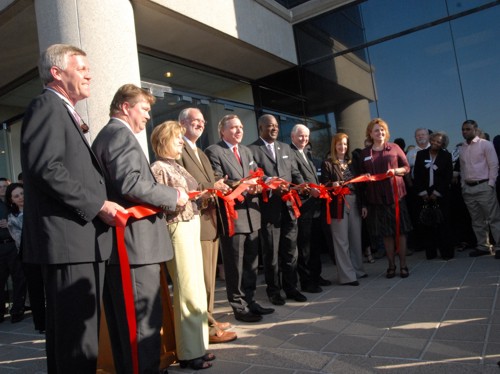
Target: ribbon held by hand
x=121, y=219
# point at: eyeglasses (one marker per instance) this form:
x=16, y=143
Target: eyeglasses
x=202, y=121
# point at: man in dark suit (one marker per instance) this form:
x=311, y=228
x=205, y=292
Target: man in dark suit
x=198, y=165
x=279, y=225
x=65, y=211
x=309, y=257
x=130, y=182
x=240, y=251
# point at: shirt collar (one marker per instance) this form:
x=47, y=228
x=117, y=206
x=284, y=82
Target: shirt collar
x=125, y=123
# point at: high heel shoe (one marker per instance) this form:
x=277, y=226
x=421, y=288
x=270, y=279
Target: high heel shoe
x=391, y=272
x=404, y=273
x=195, y=364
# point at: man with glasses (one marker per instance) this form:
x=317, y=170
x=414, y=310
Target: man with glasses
x=198, y=165
x=479, y=171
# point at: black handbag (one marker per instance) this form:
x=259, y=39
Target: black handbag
x=431, y=215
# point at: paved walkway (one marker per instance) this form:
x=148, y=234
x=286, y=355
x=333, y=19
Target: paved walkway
x=443, y=319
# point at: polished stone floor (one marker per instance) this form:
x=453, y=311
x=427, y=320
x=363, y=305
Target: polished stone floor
x=444, y=318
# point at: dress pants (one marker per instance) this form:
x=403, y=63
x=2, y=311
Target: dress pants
x=10, y=264
x=279, y=253
x=34, y=283
x=73, y=294
x=240, y=257
x=210, y=250
x=190, y=297
x=149, y=318
x=309, y=257
x=482, y=203
x=347, y=242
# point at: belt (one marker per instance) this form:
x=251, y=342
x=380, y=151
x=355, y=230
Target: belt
x=475, y=183
x=5, y=241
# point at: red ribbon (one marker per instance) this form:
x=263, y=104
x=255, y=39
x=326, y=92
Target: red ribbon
x=294, y=199
x=121, y=219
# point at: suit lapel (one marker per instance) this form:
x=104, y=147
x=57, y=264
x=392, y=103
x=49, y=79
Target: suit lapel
x=194, y=159
x=231, y=159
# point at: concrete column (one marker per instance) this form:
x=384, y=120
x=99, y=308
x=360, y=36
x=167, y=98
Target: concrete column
x=352, y=118
x=105, y=30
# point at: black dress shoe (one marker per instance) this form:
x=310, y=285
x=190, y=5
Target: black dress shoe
x=277, y=300
x=312, y=289
x=497, y=255
x=324, y=282
x=16, y=317
x=260, y=311
x=247, y=317
x=478, y=253
x=297, y=296
x=355, y=283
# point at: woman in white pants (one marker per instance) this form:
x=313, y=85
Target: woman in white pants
x=345, y=212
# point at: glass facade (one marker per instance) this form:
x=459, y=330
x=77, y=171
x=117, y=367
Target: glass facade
x=433, y=63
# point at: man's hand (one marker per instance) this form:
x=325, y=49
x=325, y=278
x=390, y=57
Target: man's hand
x=222, y=186
x=3, y=223
x=108, y=212
x=314, y=192
x=182, y=197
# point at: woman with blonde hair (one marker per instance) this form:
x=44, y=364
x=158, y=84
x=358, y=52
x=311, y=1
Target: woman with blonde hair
x=383, y=157
x=345, y=211
x=186, y=268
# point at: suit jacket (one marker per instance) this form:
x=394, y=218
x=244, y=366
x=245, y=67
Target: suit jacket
x=130, y=182
x=443, y=172
x=285, y=167
x=310, y=205
x=225, y=163
x=205, y=176
x=64, y=188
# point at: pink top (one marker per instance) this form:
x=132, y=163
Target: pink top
x=478, y=161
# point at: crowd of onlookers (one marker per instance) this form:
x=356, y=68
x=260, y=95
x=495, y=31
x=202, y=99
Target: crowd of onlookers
x=255, y=205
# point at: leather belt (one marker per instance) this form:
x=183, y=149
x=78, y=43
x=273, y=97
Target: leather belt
x=475, y=183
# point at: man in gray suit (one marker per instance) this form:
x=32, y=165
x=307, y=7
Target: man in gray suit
x=198, y=165
x=240, y=251
x=66, y=212
x=130, y=182
x=309, y=257
x=279, y=225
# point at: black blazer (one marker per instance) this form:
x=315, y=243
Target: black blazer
x=331, y=172
x=64, y=188
x=225, y=163
x=310, y=205
x=285, y=167
x=130, y=182
x=443, y=172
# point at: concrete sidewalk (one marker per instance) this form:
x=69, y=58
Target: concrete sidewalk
x=442, y=319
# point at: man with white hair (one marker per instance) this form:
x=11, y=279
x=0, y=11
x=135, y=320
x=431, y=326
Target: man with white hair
x=309, y=257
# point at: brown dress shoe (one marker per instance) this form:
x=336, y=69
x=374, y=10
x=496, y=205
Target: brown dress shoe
x=223, y=325
x=220, y=336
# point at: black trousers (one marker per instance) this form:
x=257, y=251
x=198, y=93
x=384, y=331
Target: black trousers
x=279, y=253
x=240, y=257
x=10, y=264
x=74, y=293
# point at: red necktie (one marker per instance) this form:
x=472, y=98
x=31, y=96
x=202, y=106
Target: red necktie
x=235, y=151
